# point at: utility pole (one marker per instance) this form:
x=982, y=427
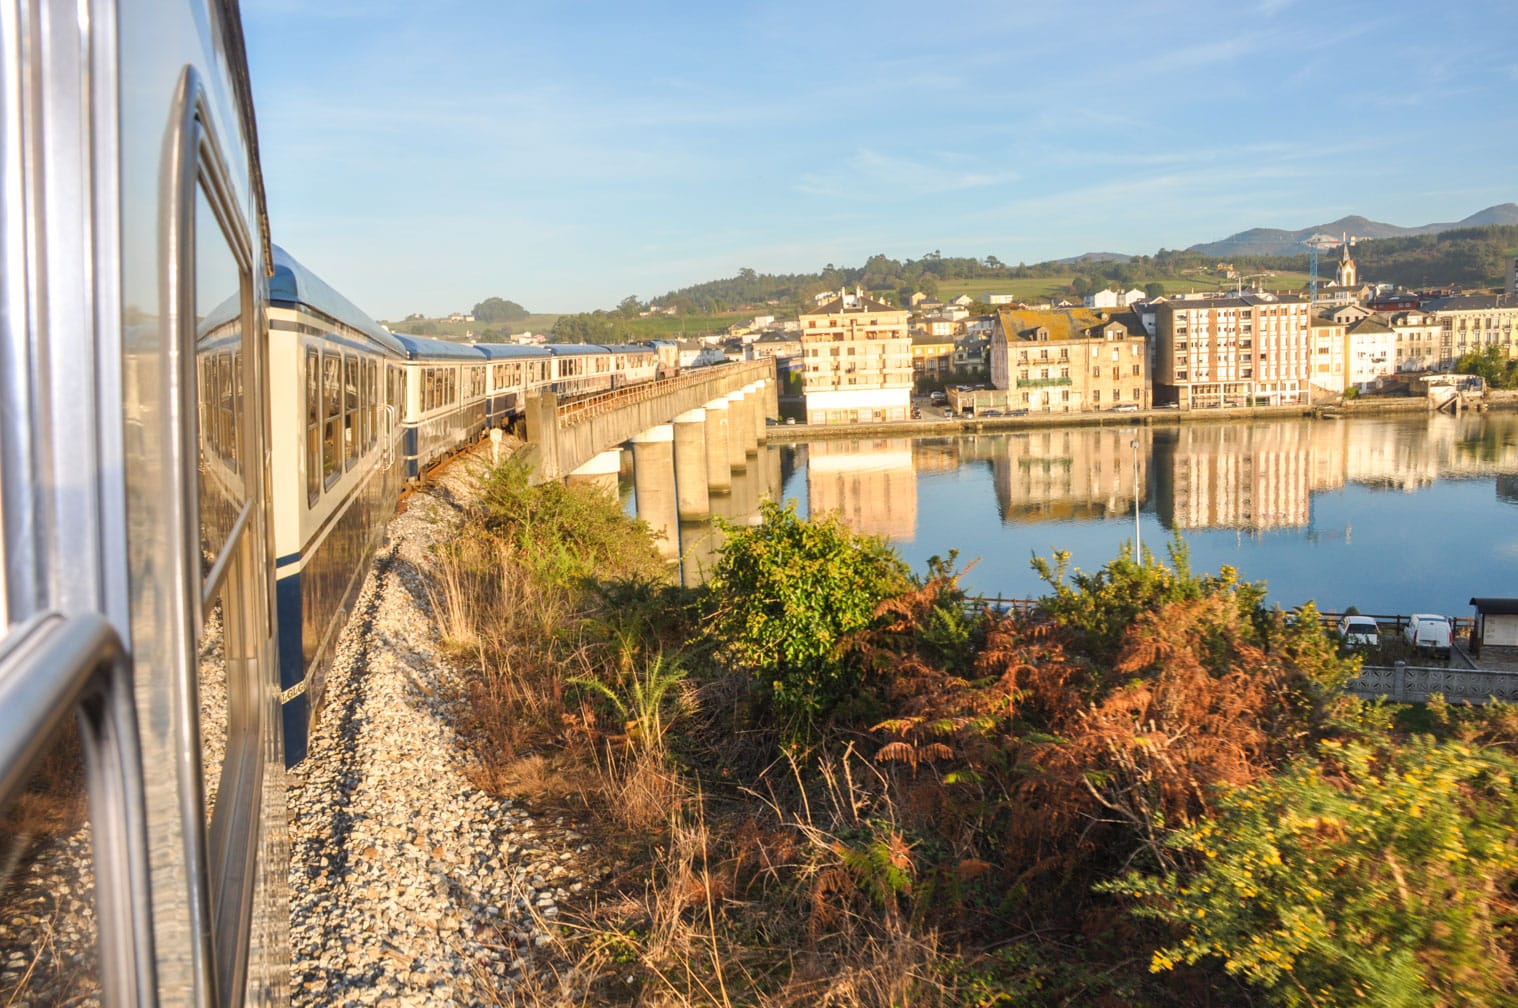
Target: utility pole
x=1138, y=543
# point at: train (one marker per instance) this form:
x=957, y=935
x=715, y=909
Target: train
x=358, y=413
x=200, y=445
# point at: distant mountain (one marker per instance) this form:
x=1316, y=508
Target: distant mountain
x=1273, y=241
x=1095, y=257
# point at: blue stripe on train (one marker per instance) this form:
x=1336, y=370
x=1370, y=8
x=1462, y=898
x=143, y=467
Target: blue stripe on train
x=292, y=666
x=408, y=452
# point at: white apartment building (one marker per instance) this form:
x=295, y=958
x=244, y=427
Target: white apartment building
x=1418, y=338
x=1370, y=353
x=857, y=355
x=1233, y=351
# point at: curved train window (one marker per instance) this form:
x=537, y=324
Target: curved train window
x=332, y=418
x=47, y=930
x=350, y=410
x=313, y=425
x=371, y=404
x=233, y=653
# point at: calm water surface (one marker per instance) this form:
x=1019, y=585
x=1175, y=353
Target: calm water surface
x=1393, y=515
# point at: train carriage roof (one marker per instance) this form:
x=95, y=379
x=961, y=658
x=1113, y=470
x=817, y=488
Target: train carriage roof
x=574, y=349
x=427, y=348
x=510, y=351
x=293, y=285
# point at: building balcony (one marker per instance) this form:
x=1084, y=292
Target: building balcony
x=1044, y=382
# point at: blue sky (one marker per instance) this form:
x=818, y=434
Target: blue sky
x=424, y=156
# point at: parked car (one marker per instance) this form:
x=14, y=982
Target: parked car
x=948, y=413
x=1428, y=632
x=992, y=412
x=1125, y=408
x=1358, y=631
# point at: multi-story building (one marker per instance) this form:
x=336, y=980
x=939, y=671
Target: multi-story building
x=1370, y=353
x=932, y=357
x=858, y=359
x=1327, y=371
x=1069, y=361
x=1472, y=322
x=1233, y=351
x=1417, y=338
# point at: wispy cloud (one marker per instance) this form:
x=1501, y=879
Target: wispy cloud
x=869, y=174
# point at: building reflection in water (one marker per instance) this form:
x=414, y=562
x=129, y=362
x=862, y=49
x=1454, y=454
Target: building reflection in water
x=1073, y=473
x=1252, y=476
x=871, y=482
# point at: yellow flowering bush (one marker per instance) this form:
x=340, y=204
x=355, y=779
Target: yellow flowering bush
x=1376, y=875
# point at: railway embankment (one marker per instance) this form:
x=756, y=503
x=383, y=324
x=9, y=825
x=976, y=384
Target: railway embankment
x=797, y=795
x=409, y=884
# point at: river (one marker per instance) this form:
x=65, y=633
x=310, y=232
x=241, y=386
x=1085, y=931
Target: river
x=1389, y=514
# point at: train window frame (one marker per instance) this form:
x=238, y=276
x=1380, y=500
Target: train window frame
x=222, y=853
x=352, y=397
x=54, y=669
x=332, y=419
x=313, y=424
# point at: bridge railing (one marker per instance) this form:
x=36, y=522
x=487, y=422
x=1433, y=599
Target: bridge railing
x=575, y=410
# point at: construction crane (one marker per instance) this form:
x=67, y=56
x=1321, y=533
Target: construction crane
x=1239, y=289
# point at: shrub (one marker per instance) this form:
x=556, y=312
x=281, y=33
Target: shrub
x=1376, y=875
x=786, y=593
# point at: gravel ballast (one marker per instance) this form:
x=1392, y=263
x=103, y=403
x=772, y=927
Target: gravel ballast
x=409, y=886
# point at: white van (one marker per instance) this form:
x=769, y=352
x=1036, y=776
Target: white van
x=1428, y=632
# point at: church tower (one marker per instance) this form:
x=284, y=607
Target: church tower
x=1346, y=274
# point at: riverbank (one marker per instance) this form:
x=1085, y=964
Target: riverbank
x=790, y=433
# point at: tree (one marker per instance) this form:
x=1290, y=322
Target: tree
x=1491, y=363
x=786, y=593
x=1153, y=289
x=630, y=306
x=496, y=309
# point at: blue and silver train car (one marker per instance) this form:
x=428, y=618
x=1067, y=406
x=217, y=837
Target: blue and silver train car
x=143, y=849
x=513, y=369
x=443, y=400
x=633, y=364
x=336, y=374
x=580, y=369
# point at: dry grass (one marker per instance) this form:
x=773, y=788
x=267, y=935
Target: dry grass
x=792, y=895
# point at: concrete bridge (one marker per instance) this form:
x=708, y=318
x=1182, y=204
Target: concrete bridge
x=704, y=424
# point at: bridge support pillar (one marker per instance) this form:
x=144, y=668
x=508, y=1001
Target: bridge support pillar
x=541, y=414
x=738, y=426
x=692, y=497
x=600, y=472
x=719, y=474
x=654, y=483
x=745, y=412
x=754, y=393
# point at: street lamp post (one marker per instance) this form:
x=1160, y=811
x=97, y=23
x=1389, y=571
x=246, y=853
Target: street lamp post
x=1138, y=544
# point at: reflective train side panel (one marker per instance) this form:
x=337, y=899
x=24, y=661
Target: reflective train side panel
x=138, y=678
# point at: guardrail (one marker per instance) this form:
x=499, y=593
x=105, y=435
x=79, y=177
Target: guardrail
x=574, y=410
x=1403, y=683
x=1394, y=624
